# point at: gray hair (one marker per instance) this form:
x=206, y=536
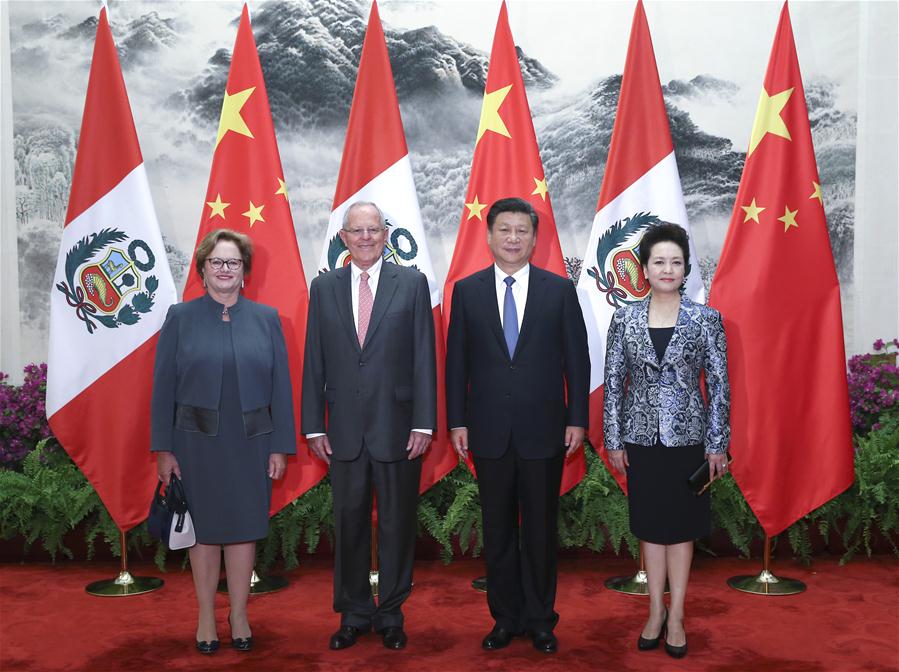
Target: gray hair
x=362, y=204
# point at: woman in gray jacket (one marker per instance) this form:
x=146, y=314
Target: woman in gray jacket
x=222, y=422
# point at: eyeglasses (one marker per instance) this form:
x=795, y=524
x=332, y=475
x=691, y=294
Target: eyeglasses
x=216, y=264
x=373, y=232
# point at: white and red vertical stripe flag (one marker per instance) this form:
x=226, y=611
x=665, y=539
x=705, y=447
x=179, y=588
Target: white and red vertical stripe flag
x=376, y=168
x=640, y=188
x=110, y=294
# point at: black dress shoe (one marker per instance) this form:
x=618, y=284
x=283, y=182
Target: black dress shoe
x=344, y=638
x=394, y=638
x=209, y=647
x=499, y=638
x=676, y=651
x=646, y=644
x=545, y=642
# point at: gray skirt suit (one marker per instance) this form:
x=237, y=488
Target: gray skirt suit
x=222, y=403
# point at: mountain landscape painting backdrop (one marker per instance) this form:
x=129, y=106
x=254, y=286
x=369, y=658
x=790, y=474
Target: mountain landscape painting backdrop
x=175, y=57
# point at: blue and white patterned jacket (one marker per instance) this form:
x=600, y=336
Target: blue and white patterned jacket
x=645, y=399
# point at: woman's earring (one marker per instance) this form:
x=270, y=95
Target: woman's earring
x=204, y=281
x=241, y=284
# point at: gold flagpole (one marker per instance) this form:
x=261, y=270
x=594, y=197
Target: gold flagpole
x=124, y=584
x=766, y=583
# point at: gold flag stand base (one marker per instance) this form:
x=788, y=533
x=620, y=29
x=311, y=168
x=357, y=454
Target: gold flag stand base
x=766, y=583
x=259, y=585
x=124, y=584
x=637, y=584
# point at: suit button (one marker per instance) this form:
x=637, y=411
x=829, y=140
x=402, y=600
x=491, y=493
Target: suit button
x=508, y=395
x=361, y=363
x=511, y=367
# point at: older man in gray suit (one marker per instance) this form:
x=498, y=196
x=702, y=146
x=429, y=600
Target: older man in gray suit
x=370, y=363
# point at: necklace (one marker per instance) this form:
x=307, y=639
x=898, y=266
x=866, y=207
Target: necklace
x=224, y=310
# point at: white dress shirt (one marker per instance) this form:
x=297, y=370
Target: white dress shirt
x=519, y=291
x=374, y=274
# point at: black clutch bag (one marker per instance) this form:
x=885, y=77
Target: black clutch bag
x=701, y=479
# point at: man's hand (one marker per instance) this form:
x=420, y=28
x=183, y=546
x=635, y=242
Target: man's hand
x=574, y=439
x=418, y=444
x=277, y=465
x=459, y=441
x=166, y=465
x=321, y=448
x=618, y=458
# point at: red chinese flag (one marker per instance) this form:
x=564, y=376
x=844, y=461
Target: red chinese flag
x=376, y=168
x=777, y=290
x=506, y=163
x=247, y=193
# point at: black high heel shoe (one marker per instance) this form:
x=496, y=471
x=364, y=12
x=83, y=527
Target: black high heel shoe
x=645, y=644
x=676, y=651
x=209, y=647
x=239, y=643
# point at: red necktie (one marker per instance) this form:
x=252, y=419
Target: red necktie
x=365, y=302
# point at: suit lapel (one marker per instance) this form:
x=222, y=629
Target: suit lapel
x=487, y=286
x=387, y=284
x=344, y=301
x=649, y=350
x=683, y=321
x=532, y=307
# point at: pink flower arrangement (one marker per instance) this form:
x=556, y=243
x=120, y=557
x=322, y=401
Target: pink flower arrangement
x=23, y=418
x=873, y=386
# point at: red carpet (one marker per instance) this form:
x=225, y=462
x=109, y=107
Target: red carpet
x=847, y=620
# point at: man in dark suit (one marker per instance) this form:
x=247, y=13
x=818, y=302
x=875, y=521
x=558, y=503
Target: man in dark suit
x=516, y=349
x=370, y=363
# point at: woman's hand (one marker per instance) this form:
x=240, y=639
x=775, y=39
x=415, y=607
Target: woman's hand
x=717, y=465
x=618, y=458
x=277, y=465
x=166, y=465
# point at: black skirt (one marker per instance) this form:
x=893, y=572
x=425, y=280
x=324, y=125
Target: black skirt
x=662, y=507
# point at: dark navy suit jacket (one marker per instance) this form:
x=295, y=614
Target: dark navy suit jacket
x=187, y=378
x=518, y=400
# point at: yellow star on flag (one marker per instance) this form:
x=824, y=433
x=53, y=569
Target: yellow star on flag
x=282, y=189
x=254, y=213
x=490, y=119
x=817, y=193
x=474, y=208
x=540, y=189
x=768, y=119
x=217, y=207
x=789, y=218
x=752, y=212
x=231, y=119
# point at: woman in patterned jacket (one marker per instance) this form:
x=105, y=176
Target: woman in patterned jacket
x=657, y=427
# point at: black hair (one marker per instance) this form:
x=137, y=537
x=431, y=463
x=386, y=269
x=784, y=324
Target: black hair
x=665, y=233
x=511, y=205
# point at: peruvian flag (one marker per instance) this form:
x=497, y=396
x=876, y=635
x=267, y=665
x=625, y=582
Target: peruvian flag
x=110, y=294
x=640, y=188
x=506, y=163
x=376, y=168
x=790, y=423
x=247, y=193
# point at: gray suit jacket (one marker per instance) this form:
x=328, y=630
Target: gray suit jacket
x=377, y=393
x=187, y=377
